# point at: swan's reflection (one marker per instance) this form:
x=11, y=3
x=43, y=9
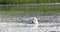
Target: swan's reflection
x=34, y=28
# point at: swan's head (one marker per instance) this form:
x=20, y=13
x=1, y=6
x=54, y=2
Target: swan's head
x=34, y=20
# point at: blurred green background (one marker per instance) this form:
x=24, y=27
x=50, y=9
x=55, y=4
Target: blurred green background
x=29, y=9
x=32, y=8
x=35, y=8
x=27, y=1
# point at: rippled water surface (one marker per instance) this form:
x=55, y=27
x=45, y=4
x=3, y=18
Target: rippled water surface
x=21, y=27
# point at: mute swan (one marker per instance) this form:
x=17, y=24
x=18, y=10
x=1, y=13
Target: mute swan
x=33, y=20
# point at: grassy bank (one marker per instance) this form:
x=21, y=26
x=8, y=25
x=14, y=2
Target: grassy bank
x=27, y=1
x=29, y=10
x=32, y=8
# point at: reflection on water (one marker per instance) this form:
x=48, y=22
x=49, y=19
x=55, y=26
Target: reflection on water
x=20, y=27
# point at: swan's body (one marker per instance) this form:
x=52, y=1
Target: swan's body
x=33, y=20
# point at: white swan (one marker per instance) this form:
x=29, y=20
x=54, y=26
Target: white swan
x=33, y=20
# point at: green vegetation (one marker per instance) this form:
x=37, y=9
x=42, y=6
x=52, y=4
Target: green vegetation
x=28, y=9
x=32, y=8
x=27, y=1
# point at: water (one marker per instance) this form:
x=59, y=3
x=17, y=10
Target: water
x=21, y=25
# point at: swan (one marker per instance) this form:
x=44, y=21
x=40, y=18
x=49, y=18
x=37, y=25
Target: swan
x=33, y=20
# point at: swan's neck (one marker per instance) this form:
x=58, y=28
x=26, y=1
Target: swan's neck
x=35, y=21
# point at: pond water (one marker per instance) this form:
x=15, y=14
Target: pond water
x=22, y=27
x=46, y=24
